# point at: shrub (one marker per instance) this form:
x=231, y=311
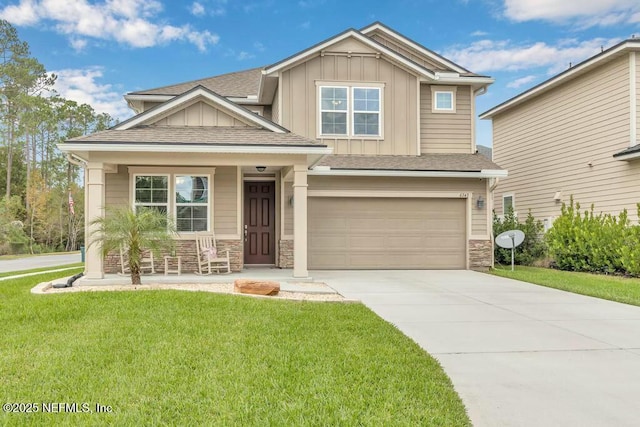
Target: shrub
x=533, y=246
x=583, y=241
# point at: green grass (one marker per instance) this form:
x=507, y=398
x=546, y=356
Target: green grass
x=192, y=358
x=614, y=288
x=36, y=270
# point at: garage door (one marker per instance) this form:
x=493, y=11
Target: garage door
x=386, y=233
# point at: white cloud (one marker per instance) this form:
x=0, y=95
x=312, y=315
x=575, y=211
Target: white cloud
x=521, y=81
x=78, y=44
x=305, y=25
x=259, y=46
x=130, y=22
x=82, y=86
x=503, y=55
x=479, y=33
x=197, y=9
x=576, y=12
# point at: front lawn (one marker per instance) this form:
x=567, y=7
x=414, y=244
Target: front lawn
x=614, y=288
x=194, y=358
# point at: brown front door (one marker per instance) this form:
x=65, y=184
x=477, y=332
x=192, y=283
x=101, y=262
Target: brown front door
x=259, y=222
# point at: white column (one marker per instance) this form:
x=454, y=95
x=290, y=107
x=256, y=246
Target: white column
x=300, y=221
x=94, y=202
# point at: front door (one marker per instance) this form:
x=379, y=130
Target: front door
x=259, y=222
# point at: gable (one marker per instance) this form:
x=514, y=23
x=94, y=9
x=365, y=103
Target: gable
x=176, y=106
x=351, y=45
x=199, y=113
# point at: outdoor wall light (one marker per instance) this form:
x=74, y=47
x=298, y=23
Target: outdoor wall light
x=480, y=202
x=261, y=168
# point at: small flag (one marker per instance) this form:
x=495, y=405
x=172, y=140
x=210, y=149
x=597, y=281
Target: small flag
x=72, y=211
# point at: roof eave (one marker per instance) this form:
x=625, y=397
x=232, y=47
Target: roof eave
x=484, y=173
x=70, y=147
x=560, y=78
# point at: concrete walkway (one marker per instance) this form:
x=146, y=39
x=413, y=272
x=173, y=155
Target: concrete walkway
x=518, y=354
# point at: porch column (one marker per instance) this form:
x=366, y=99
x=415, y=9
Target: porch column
x=300, y=221
x=94, y=208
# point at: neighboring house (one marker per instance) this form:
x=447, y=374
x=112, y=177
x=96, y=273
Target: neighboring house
x=574, y=134
x=357, y=153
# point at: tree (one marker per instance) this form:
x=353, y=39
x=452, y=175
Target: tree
x=21, y=78
x=134, y=231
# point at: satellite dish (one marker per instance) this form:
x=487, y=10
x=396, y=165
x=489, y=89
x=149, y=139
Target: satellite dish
x=510, y=239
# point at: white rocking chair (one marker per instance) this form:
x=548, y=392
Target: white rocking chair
x=209, y=258
x=146, y=263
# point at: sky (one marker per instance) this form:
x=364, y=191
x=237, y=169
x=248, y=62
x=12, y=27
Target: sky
x=101, y=50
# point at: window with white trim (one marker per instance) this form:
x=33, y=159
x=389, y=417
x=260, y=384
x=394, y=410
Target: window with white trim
x=152, y=191
x=444, y=99
x=508, y=203
x=190, y=204
x=350, y=111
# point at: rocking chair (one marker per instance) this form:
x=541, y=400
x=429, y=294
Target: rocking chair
x=209, y=258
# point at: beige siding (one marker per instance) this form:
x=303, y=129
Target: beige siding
x=199, y=114
x=564, y=140
x=225, y=197
x=446, y=132
x=117, y=188
x=288, y=209
x=479, y=217
x=299, y=109
x=407, y=51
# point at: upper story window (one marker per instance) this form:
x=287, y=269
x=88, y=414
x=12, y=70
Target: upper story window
x=350, y=111
x=444, y=99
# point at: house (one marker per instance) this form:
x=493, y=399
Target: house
x=576, y=134
x=356, y=153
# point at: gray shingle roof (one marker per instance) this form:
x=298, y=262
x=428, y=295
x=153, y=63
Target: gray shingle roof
x=425, y=162
x=198, y=135
x=238, y=84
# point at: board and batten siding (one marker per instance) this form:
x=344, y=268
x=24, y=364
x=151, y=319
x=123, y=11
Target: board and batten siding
x=299, y=110
x=199, y=114
x=446, y=132
x=479, y=217
x=564, y=140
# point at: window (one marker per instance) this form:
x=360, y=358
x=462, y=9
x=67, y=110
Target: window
x=350, y=111
x=191, y=202
x=366, y=111
x=333, y=107
x=444, y=99
x=152, y=191
x=508, y=203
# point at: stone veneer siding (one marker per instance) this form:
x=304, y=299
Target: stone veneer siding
x=285, y=255
x=480, y=254
x=187, y=250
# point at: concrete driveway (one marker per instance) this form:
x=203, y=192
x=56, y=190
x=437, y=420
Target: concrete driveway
x=518, y=354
